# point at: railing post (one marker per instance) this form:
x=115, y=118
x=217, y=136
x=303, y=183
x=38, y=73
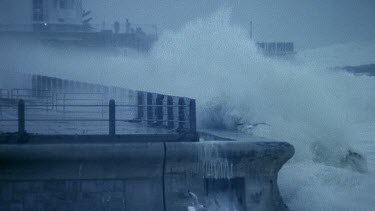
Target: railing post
x=170, y=113
x=106, y=90
x=64, y=97
x=59, y=85
x=70, y=86
x=140, y=105
x=38, y=85
x=66, y=85
x=21, y=117
x=181, y=114
x=54, y=85
x=193, y=116
x=34, y=85
x=150, y=113
x=43, y=85
x=49, y=84
x=112, y=117
x=159, y=110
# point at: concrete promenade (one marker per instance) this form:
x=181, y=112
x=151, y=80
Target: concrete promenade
x=139, y=176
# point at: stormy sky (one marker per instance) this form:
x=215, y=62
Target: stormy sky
x=307, y=23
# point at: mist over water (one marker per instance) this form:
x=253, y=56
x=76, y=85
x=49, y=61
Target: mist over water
x=303, y=101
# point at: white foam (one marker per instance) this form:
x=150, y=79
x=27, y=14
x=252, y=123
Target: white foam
x=214, y=61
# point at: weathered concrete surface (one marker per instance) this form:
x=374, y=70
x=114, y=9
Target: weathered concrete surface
x=80, y=161
x=136, y=176
x=82, y=177
x=188, y=164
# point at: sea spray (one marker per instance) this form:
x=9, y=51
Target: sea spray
x=214, y=61
x=212, y=164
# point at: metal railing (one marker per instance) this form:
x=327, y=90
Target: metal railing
x=183, y=122
x=64, y=100
x=30, y=94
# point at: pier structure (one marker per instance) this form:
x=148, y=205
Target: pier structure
x=62, y=23
x=166, y=169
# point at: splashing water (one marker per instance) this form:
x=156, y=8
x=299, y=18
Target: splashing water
x=303, y=101
x=212, y=165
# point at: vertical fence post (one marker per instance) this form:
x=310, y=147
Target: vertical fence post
x=21, y=117
x=84, y=88
x=43, y=85
x=54, y=85
x=140, y=103
x=50, y=92
x=106, y=90
x=150, y=113
x=181, y=114
x=34, y=85
x=112, y=117
x=66, y=85
x=49, y=84
x=159, y=110
x=59, y=85
x=64, y=97
x=193, y=116
x=69, y=87
x=38, y=85
x=91, y=88
x=76, y=87
x=170, y=113
x=123, y=96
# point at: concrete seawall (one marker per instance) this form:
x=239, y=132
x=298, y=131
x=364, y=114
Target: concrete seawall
x=138, y=176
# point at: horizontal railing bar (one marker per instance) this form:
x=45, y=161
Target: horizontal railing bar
x=59, y=120
x=83, y=112
x=80, y=93
x=30, y=95
x=73, y=99
x=104, y=105
x=90, y=120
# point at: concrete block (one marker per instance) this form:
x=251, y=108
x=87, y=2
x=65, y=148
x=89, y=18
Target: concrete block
x=12, y=207
x=55, y=186
x=140, y=176
x=257, y=162
x=89, y=186
x=144, y=194
x=80, y=161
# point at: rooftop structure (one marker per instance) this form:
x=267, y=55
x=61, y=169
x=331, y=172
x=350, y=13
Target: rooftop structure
x=41, y=15
x=276, y=49
x=65, y=22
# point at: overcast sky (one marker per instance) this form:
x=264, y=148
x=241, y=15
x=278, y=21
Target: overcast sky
x=308, y=23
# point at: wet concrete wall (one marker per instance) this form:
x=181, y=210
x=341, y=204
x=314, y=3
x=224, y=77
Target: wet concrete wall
x=137, y=176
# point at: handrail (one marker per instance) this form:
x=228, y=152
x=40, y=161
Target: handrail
x=76, y=98
x=184, y=122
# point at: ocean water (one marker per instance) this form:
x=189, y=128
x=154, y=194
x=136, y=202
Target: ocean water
x=323, y=112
